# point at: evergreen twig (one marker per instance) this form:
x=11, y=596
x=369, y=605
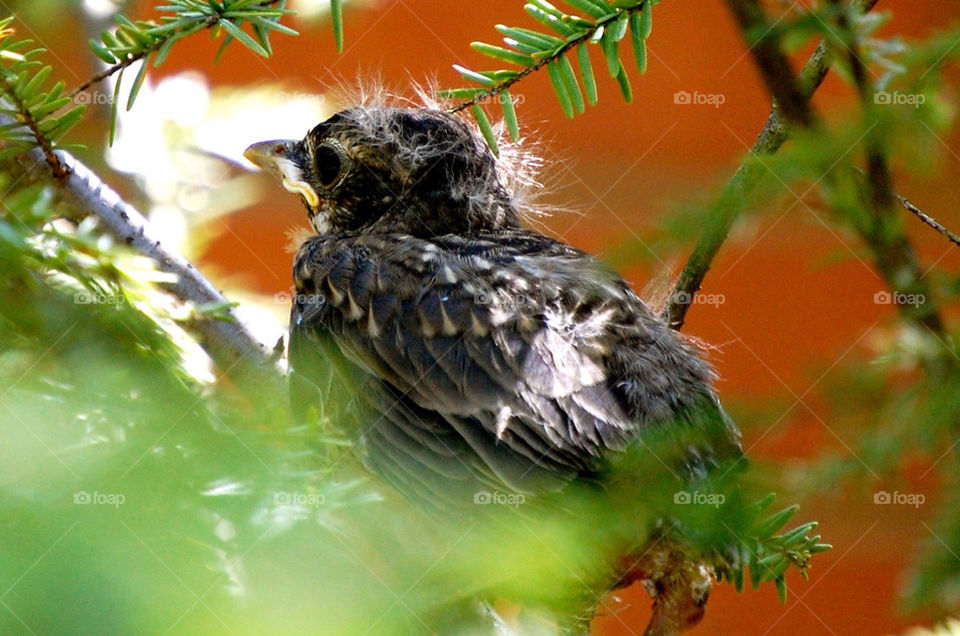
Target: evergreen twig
x=605, y=23
x=23, y=113
x=558, y=53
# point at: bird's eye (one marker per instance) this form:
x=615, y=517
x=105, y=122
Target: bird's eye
x=330, y=163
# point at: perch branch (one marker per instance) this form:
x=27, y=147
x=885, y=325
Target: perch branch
x=228, y=341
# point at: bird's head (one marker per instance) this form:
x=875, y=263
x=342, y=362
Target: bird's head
x=385, y=169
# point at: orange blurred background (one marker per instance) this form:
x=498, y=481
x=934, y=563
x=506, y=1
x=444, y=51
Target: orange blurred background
x=792, y=310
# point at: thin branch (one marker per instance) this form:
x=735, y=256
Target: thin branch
x=721, y=218
x=230, y=341
x=929, y=220
x=129, y=60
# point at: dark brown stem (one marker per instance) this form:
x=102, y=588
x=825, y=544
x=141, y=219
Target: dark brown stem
x=27, y=119
x=764, y=42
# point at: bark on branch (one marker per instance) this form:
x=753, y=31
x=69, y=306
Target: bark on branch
x=226, y=338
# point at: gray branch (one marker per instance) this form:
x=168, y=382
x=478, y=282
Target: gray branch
x=225, y=337
x=228, y=341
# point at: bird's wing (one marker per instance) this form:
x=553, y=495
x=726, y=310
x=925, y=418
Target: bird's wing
x=516, y=360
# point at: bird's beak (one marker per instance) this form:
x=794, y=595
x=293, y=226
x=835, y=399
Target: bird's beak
x=282, y=158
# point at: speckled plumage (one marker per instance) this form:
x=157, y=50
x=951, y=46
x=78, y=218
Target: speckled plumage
x=480, y=353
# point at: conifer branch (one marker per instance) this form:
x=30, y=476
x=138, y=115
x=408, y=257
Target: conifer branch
x=26, y=117
x=499, y=87
x=29, y=131
x=606, y=24
x=129, y=60
x=150, y=42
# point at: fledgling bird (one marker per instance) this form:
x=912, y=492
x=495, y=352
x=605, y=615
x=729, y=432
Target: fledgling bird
x=490, y=355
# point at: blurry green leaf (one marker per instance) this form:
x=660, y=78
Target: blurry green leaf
x=485, y=128
x=548, y=20
x=586, y=72
x=138, y=82
x=593, y=9
x=624, y=81
x=459, y=93
x=227, y=39
x=473, y=76
x=509, y=115
x=570, y=81
x=165, y=48
x=639, y=42
x=113, y=108
x=609, y=44
x=646, y=20
x=560, y=88
x=242, y=37
x=336, y=17
x=502, y=54
x=618, y=30
x=101, y=52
